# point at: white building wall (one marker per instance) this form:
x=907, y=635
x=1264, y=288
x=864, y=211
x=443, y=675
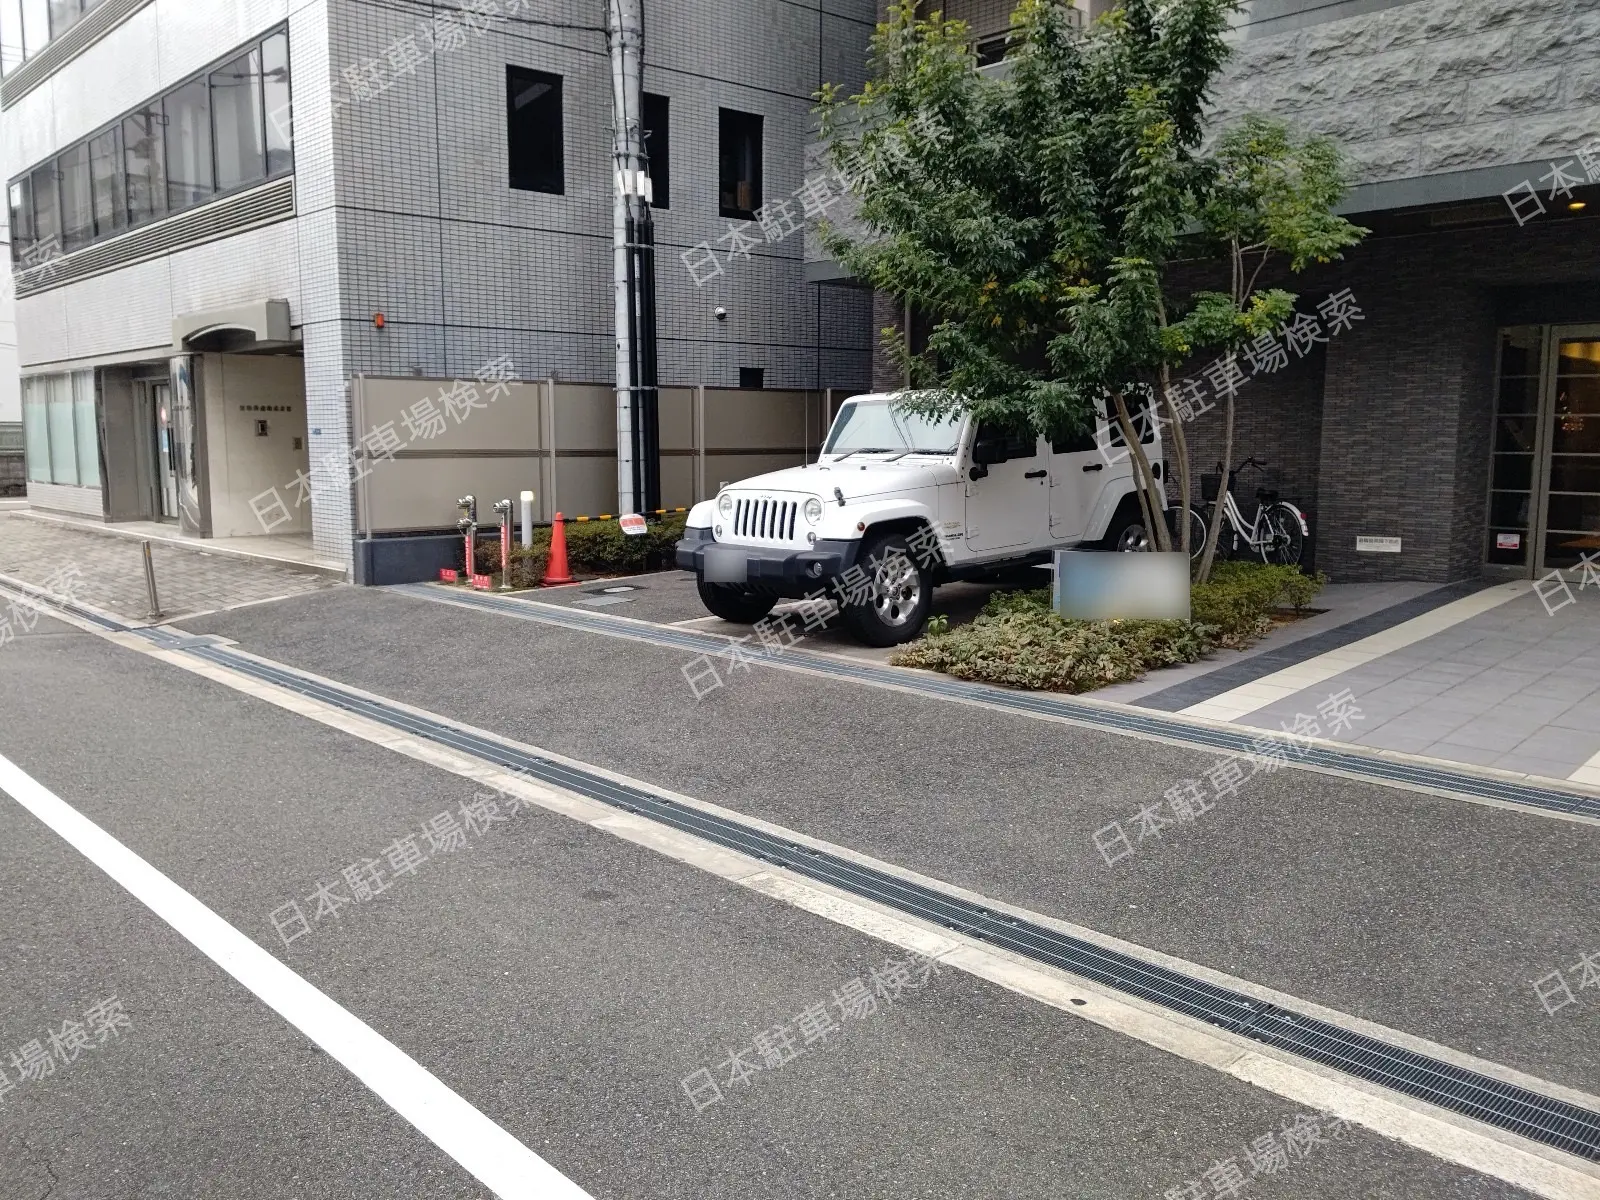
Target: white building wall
x=240, y=390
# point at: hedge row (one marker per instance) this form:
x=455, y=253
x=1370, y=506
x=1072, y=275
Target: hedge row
x=593, y=548
x=1018, y=641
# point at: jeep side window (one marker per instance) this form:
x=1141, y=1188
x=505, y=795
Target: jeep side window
x=1022, y=444
x=1140, y=406
x=1074, y=441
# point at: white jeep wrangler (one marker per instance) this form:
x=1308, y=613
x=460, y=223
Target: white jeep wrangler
x=897, y=504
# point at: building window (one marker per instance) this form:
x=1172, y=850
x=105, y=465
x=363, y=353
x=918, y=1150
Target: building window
x=19, y=200
x=77, y=209
x=658, y=149
x=754, y=378
x=188, y=118
x=27, y=26
x=61, y=433
x=145, y=161
x=105, y=177
x=236, y=123
x=275, y=102
x=46, y=211
x=738, y=162
x=534, y=135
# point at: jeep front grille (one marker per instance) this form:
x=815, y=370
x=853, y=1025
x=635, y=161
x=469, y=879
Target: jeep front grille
x=761, y=518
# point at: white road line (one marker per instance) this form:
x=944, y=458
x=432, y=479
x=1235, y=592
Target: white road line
x=1534, y=1167
x=1258, y=693
x=493, y=1156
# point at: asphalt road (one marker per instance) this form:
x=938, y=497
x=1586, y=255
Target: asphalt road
x=1426, y=914
x=566, y=983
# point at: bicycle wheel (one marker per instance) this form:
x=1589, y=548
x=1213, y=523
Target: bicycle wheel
x=1197, y=532
x=1282, y=541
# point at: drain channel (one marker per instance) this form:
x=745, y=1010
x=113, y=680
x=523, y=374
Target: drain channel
x=1202, y=737
x=1506, y=1106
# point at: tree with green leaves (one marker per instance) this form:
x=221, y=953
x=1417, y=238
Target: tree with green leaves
x=1267, y=193
x=1031, y=213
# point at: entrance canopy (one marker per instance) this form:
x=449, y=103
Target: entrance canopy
x=261, y=325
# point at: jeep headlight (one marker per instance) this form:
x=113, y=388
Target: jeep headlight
x=813, y=510
x=725, y=504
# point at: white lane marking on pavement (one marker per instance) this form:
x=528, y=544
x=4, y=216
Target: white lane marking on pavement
x=498, y=1160
x=1532, y=1166
x=1258, y=693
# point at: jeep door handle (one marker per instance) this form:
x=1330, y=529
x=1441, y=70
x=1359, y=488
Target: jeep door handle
x=1094, y=466
x=1034, y=475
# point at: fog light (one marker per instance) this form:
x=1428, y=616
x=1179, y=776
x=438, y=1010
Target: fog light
x=815, y=570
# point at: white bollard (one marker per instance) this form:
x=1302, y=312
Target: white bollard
x=527, y=518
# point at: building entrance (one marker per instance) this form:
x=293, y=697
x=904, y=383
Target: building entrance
x=1544, y=499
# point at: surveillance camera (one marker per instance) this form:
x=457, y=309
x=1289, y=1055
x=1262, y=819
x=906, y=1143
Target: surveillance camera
x=720, y=313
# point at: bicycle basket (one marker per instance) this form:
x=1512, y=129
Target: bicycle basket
x=1210, y=487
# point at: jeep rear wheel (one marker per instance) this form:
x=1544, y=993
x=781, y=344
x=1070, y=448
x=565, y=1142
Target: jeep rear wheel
x=733, y=603
x=901, y=593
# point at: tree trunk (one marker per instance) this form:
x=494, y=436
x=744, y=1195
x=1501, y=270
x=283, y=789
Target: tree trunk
x=1144, y=478
x=1180, y=451
x=1217, y=515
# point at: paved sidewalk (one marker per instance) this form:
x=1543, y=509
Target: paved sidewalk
x=1513, y=687
x=108, y=572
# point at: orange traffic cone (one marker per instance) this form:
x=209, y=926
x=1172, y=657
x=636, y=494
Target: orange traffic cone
x=556, y=571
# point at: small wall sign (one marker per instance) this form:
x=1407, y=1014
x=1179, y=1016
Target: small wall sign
x=1378, y=545
x=1508, y=541
x=448, y=575
x=632, y=524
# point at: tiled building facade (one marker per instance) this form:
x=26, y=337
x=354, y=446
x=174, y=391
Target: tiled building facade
x=401, y=205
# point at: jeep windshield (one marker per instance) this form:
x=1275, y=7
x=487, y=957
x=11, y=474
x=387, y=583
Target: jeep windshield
x=874, y=427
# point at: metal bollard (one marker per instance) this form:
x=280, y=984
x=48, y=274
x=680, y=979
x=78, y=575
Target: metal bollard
x=150, y=585
x=527, y=519
x=468, y=525
x=503, y=507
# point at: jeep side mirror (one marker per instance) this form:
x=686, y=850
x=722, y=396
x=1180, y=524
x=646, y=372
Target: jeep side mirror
x=986, y=452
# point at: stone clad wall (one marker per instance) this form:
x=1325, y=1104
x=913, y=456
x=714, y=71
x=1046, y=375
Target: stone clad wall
x=1431, y=86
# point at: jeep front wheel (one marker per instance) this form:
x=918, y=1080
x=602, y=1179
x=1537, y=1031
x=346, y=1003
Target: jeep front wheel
x=896, y=607
x=734, y=603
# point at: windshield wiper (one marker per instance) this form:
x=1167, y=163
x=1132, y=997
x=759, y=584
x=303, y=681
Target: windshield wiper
x=847, y=454
x=898, y=457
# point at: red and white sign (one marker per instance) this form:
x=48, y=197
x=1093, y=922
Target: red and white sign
x=632, y=524
x=1508, y=541
x=449, y=575
x=483, y=583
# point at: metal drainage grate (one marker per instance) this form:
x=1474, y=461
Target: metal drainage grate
x=1226, y=741
x=1506, y=1106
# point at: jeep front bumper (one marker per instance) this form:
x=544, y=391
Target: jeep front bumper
x=768, y=569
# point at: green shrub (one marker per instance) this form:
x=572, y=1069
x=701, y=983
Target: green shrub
x=1018, y=641
x=593, y=548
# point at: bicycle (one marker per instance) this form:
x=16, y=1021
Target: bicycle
x=1277, y=531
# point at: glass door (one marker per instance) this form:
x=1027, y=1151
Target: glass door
x=166, y=452
x=1515, y=458
x=1571, y=517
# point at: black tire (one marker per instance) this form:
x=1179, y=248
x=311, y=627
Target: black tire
x=1282, y=543
x=902, y=593
x=733, y=603
x=1127, y=533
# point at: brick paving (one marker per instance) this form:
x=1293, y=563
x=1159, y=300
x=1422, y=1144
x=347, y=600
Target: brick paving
x=108, y=572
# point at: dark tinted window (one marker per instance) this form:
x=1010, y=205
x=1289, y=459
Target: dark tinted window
x=1019, y=443
x=738, y=163
x=275, y=100
x=658, y=149
x=46, y=208
x=753, y=377
x=20, y=201
x=534, y=136
x=188, y=118
x=105, y=177
x=142, y=151
x=236, y=122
